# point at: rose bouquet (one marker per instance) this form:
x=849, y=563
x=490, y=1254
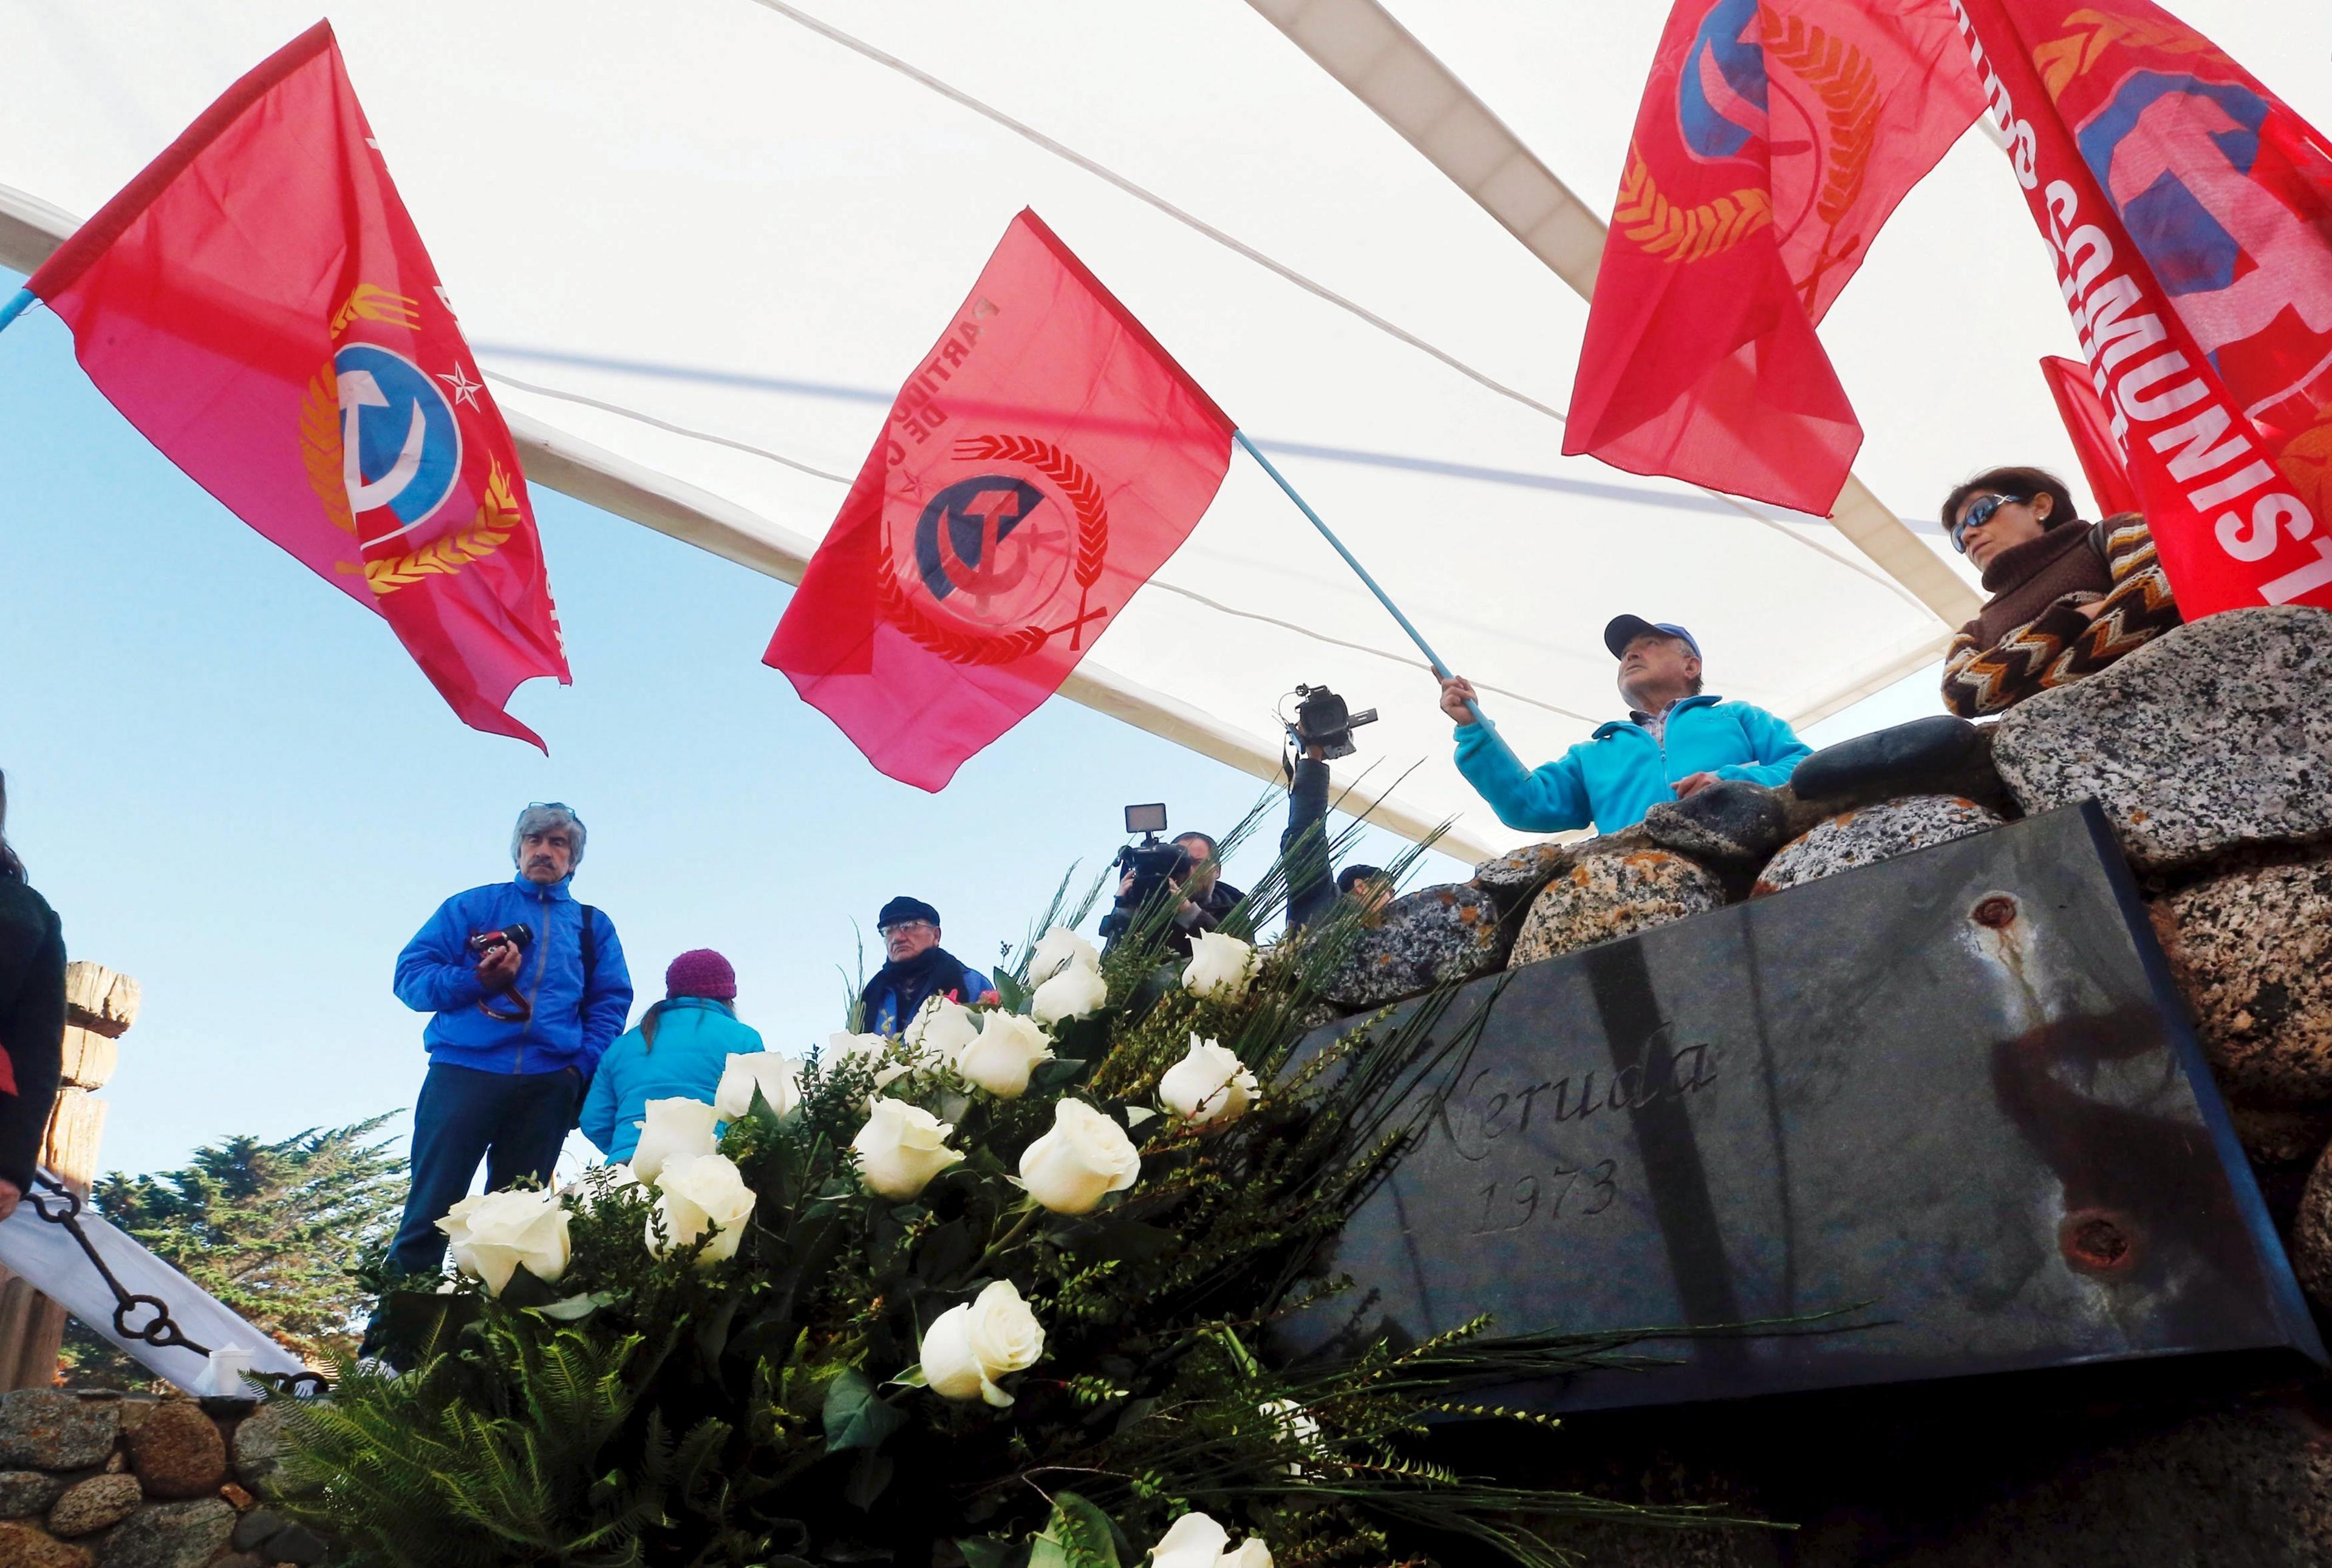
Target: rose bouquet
x=996, y=1293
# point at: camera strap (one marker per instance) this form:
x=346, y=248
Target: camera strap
x=589, y=944
x=590, y=955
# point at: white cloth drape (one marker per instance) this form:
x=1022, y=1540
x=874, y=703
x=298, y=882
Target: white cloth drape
x=709, y=214
x=45, y=1254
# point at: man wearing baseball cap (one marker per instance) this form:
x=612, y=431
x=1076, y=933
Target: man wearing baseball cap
x=1675, y=741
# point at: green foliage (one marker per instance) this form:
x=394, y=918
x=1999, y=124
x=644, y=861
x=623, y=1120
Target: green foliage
x=770, y=1408
x=274, y=1231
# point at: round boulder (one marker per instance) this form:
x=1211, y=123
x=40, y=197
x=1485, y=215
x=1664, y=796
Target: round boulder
x=170, y=1535
x=2252, y=952
x=24, y=1493
x=1731, y=822
x=23, y=1546
x=1606, y=896
x=2278, y=1138
x=89, y=1506
x=1875, y=833
x=177, y=1451
x=1513, y=877
x=2311, y=1235
x=2210, y=737
x=50, y=1429
x=259, y=1448
x=1433, y=937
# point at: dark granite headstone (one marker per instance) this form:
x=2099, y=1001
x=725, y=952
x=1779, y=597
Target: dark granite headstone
x=1954, y=1090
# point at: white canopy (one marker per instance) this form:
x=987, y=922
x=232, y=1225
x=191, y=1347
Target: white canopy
x=725, y=237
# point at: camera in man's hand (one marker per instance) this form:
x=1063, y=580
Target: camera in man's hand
x=1323, y=720
x=1150, y=864
x=487, y=944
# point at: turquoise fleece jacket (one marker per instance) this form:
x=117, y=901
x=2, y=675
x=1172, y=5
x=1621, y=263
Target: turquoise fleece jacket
x=695, y=1037
x=1619, y=773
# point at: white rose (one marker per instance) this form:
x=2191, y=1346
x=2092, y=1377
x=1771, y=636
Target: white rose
x=494, y=1232
x=1059, y=951
x=700, y=1192
x=941, y=1031
x=1208, y=1086
x=1196, y=1541
x=972, y=1345
x=844, y=1050
x=1221, y=967
x=1008, y=1050
x=671, y=1128
x=1292, y=1422
x=774, y=1073
x=901, y=1148
x=1070, y=994
x=1084, y=1156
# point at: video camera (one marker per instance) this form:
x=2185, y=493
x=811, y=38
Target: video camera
x=1321, y=719
x=1154, y=863
x=513, y=936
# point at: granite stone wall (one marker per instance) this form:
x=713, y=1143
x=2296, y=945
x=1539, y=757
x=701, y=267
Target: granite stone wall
x=98, y=1479
x=2210, y=752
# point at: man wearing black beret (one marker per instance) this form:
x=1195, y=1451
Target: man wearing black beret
x=916, y=969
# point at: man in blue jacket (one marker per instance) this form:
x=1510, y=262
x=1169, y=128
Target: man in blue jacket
x=1676, y=742
x=518, y=1029
x=915, y=969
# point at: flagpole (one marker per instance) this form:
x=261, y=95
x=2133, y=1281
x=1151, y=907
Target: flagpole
x=18, y=303
x=1351, y=560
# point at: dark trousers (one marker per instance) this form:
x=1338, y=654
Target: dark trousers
x=514, y=1122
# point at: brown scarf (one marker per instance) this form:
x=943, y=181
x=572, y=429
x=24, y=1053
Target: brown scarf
x=2026, y=578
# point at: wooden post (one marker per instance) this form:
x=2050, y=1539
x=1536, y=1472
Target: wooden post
x=100, y=1008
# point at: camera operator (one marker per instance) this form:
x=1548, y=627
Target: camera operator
x=1206, y=887
x=527, y=987
x=1149, y=870
x=1322, y=729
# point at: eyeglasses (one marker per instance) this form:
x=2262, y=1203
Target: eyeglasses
x=1977, y=515
x=888, y=930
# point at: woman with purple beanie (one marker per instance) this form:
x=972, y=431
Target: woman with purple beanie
x=677, y=1051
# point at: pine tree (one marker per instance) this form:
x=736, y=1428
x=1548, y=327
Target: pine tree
x=274, y=1231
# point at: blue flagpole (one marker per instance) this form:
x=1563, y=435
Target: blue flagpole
x=1351, y=560
x=18, y=303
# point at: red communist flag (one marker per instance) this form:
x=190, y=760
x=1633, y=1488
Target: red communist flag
x=1774, y=138
x=1042, y=461
x=2089, y=425
x=258, y=304
x=2189, y=212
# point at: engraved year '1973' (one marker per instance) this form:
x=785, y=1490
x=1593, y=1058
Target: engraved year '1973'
x=1511, y=1205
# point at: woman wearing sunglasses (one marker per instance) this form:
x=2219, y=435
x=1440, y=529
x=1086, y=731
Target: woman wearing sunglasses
x=2068, y=598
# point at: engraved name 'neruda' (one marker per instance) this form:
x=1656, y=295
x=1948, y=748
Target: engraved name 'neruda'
x=1476, y=1111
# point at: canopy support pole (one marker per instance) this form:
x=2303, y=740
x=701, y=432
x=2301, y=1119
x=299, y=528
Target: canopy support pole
x=1351, y=560
x=18, y=303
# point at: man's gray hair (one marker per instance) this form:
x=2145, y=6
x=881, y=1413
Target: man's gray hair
x=547, y=814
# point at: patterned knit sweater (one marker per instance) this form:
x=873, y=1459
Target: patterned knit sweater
x=2060, y=645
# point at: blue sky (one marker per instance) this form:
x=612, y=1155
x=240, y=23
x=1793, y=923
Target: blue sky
x=234, y=785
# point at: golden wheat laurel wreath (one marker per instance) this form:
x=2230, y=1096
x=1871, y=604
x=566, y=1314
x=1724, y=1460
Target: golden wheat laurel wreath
x=1680, y=233
x=961, y=646
x=319, y=448
x=1846, y=83
x=2061, y=59
x=498, y=517
x=371, y=302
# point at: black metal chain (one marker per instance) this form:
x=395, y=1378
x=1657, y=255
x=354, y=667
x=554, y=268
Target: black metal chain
x=163, y=1332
